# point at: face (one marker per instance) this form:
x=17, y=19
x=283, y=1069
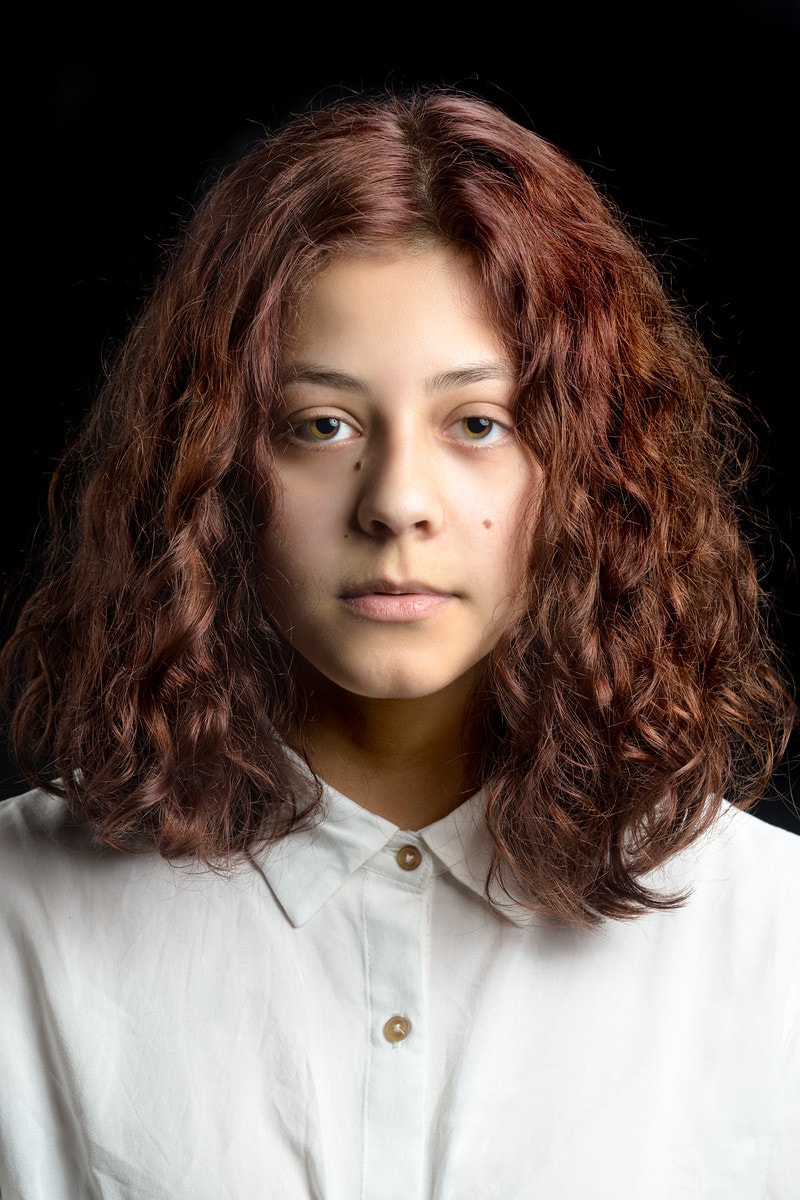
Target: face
x=395, y=558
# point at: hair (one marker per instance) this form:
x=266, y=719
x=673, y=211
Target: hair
x=145, y=678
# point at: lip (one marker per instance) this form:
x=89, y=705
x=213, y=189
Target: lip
x=387, y=587
x=382, y=600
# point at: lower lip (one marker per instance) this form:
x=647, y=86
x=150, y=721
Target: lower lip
x=409, y=606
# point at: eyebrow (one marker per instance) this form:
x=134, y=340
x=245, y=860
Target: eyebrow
x=446, y=381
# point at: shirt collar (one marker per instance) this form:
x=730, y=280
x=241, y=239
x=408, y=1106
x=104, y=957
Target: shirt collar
x=308, y=866
x=463, y=845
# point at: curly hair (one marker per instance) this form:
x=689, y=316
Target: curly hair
x=145, y=678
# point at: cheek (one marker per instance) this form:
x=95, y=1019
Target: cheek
x=284, y=565
x=508, y=537
x=300, y=526
x=301, y=555
x=312, y=506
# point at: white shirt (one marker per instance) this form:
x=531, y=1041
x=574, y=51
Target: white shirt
x=349, y=1019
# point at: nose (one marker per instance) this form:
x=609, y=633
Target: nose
x=401, y=490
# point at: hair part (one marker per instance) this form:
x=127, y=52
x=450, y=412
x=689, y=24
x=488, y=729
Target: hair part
x=640, y=687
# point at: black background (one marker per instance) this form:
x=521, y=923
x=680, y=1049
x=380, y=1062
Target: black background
x=684, y=114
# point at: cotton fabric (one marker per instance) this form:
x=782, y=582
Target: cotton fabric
x=169, y=1034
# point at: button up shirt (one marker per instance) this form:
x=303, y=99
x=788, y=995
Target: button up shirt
x=350, y=1017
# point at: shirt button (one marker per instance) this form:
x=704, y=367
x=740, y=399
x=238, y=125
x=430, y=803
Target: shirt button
x=397, y=1029
x=409, y=857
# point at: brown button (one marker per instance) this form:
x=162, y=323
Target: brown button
x=409, y=857
x=397, y=1029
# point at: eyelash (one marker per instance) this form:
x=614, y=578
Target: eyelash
x=295, y=432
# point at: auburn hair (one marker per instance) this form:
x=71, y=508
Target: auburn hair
x=145, y=678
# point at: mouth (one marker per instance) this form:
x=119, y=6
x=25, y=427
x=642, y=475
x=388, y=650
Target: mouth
x=403, y=602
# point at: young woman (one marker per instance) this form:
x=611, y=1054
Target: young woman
x=387, y=696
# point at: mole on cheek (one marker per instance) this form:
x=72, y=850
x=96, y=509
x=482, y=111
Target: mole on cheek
x=357, y=467
x=487, y=524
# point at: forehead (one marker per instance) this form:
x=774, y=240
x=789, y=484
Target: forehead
x=424, y=303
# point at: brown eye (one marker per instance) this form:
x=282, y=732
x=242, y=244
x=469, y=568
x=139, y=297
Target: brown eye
x=477, y=428
x=320, y=430
x=324, y=429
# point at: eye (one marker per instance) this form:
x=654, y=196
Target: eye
x=322, y=429
x=479, y=429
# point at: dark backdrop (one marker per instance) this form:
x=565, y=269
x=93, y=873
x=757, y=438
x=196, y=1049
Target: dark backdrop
x=683, y=113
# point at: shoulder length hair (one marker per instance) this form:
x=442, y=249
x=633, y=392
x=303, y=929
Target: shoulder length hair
x=145, y=677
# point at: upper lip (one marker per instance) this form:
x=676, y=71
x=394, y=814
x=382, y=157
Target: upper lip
x=390, y=587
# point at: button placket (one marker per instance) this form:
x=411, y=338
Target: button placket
x=396, y=901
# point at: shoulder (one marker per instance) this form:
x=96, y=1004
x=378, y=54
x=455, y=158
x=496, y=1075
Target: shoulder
x=36, y=826
x=761, y=860
x=37, y=820
x=743, y=874
x=51, y=861
x=735, y=934
x=739, y=922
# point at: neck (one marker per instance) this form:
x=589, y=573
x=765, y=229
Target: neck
x=403, y=759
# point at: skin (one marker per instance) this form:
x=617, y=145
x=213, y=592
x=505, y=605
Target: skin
x=394, y=561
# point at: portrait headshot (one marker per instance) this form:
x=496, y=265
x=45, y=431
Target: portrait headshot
x=400, y=619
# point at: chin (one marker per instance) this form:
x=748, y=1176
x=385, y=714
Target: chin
x=403, y=684
x=389, y=689
x=386, y=676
